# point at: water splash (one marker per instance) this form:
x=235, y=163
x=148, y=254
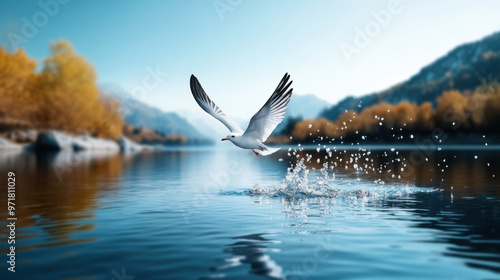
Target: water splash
x=298, y=183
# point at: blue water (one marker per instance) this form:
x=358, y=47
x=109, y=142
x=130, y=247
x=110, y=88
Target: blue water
x=225, y=214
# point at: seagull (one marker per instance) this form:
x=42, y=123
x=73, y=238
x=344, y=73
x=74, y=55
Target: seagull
x=262, y=123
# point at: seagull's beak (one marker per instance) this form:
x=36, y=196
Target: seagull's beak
x=224, y=139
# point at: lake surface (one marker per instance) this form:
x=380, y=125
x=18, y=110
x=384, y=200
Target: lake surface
x=206, y=213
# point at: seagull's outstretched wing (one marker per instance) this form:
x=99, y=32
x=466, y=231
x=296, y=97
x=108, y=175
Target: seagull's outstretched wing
x=210, y=107
x=272, y=113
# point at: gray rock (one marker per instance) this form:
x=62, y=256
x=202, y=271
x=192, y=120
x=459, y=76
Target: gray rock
x=91, y=143
x=54, y=140
x=126, y=145
x=7, y=145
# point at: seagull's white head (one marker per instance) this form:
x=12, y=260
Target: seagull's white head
x=231, y=137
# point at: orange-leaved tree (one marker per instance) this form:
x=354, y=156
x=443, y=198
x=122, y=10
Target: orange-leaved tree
x=16, y=73
x=68, y=96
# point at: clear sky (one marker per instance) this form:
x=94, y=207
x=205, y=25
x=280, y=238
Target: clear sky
x=239, y=49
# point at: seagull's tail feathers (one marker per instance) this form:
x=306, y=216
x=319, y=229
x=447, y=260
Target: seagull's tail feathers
x=267, y=151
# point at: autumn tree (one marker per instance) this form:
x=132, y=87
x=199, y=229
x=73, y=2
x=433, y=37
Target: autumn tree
x=68, y=96
x=16, y=73
x=453, y=111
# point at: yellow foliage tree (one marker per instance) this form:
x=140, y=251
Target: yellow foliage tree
x=453, y=111
x=424, y=117
x=16, y=74
x=69, y=98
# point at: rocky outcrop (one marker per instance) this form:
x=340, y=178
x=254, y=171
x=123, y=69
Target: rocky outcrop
x=7, y=145
x=54, y=140
x=128, y=146
x=91, y=143
x=51, y=140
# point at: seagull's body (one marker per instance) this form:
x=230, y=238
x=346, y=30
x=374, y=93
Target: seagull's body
x=247, y=142
x=262, y=123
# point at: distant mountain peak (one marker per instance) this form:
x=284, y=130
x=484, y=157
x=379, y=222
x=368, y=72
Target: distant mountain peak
x=140, y=114
x=463, y=68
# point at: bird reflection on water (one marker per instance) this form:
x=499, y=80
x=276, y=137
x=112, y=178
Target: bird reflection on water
x=252, y=249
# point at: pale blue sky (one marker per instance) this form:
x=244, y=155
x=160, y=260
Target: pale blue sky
x=240, y=55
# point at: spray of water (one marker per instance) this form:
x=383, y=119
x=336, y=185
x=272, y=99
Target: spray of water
x=302, y=181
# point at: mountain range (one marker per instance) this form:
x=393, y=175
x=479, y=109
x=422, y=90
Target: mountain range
x=140, y=114
x=464, y=68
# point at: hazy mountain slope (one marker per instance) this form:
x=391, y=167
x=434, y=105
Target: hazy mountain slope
x=306, y=106
x=139, y=114
x=464, y=68
x=302, y=106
